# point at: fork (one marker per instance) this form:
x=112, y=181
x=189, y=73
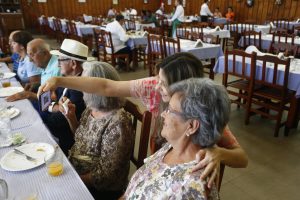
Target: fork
x=17, y=151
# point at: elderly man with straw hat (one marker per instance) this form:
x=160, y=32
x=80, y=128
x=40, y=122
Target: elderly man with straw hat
x=71, y=56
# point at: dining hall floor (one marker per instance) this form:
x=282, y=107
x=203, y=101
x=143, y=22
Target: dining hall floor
x=273, y=172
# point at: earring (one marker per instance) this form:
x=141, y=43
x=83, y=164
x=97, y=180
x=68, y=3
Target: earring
x=188, y=134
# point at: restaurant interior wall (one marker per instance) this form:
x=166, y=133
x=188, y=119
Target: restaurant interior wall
x=70, y=9
x=261, y=11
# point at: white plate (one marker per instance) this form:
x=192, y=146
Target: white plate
x=8, y=75
x=11, y=113
x=15, y=162
x=5, y=92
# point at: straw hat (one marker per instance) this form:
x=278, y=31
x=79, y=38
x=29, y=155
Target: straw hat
x=74, y=50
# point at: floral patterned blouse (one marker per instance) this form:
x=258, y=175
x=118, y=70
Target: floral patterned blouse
x=144, y=89
x=157, y=180
x=103, y=148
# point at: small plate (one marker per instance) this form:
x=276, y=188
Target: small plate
x=8, y=75
x=11, y=113
x=15, y=162
x=9, y=141
x=8, y=91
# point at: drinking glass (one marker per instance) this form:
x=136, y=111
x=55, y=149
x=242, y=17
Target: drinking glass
x=54, y=163
x=5, y=127
x=3, y=189
x=5, y=82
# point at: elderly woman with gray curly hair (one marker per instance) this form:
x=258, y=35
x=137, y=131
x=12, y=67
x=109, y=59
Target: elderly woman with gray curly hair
x=195, y=118
x=103, y=138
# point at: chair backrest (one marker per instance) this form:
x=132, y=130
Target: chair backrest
x=282, y=23
x=239, y=64
x=154, y=30
x=181, y=31
x=145, y=119
x=100, y=44
x=171, y=46
x=107, y=39
x=269, y=61
x=278, y=30
x=246, y=27
x=155, y=45
x=72, y=28
x=283, y=38
x=286, y=48
x=130, y=25
x=211, y=39
x=252, y=38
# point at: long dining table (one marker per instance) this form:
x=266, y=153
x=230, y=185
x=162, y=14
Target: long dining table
x=293, y=83
x=67, y=186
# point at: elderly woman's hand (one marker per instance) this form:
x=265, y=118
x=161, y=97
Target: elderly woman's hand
x=210, y=160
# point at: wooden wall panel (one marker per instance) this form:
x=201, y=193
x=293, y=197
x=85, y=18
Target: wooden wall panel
x=72, y=8
x=261, y=11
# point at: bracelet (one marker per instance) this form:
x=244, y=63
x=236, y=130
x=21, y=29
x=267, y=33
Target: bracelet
x=50, y=108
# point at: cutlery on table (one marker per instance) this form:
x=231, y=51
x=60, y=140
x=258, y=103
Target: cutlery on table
x=17, y=151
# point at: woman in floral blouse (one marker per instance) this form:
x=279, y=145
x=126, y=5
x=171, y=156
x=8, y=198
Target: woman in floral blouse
x=154, y=94
x=103, y=138
x=197, y=114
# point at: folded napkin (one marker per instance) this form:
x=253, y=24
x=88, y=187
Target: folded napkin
x=272, y=25
x=298, y=20
x=7, y=112
x=198, y=43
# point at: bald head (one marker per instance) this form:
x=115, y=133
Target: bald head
x=39, y=52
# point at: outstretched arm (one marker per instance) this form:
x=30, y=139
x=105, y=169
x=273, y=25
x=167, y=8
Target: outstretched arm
x=94, y=85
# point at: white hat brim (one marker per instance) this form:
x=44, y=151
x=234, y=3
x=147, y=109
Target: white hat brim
x=58, y=53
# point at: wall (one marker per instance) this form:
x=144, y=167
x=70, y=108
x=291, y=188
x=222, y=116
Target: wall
x=262, y=9
x=72, y=8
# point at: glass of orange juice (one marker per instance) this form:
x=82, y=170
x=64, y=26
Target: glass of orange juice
x=5, y=82
x=54, y=163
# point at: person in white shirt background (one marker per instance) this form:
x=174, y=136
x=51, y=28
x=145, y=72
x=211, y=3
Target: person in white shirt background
x=119, y=36
x=161, y=9
x=111, y=12
x=132, y=11
x=204, y=11
x=178, y=17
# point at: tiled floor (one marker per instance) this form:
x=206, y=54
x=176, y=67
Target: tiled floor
x=273, y=172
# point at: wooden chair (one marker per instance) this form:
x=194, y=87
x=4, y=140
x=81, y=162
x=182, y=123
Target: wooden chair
x=252, y=38
x=246, y=27
x=282, y=23
x=270, y=95
x=155, y=52
x=286, y=48
x=171, y=46
x=181, y=31
x=58, y=30
x=130, y=25
x=278, y=30
x=154, y=30
x=234, y=35
x=241, y=81
x=283, y=38
x=145, y=119
x=210, y=63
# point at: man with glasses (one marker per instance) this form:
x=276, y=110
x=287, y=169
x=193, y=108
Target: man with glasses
x=39, y=53
x=71, y=56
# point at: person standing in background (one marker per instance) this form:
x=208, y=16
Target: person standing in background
x=178, y=17
x=205, y=12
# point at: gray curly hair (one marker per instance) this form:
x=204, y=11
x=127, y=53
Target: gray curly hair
x=103, y=70
x=207, y=102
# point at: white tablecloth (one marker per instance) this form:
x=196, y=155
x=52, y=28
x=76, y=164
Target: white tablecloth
x=67, y=186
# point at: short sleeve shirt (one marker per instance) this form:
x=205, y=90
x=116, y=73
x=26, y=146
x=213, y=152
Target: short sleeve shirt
x=27, y=69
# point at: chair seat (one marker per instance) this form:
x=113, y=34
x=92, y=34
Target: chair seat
x=271, y=93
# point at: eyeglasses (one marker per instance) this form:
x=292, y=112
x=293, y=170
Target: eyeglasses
x=63, y=59
x=170, y=110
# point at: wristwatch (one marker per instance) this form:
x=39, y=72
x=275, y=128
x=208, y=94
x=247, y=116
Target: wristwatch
x=50, y=108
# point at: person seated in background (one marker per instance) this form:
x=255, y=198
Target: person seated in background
x=111, y=12
x=161, y=9
x=230, y=14
x=217, y=13
x=104, y=138
x=119, y=36
x=195, y=118
x=132, y=11
x=143, y=15
x=39, y=52
x=27, y=71
x=71, y=56
x=14, y=58
x=150, y=18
